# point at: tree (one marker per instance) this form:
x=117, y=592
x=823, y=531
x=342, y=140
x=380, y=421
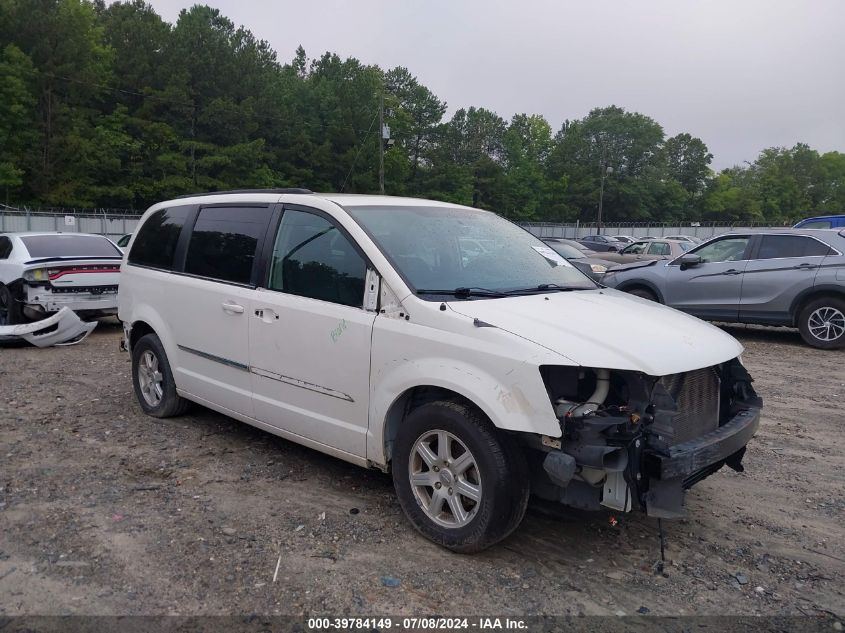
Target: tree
x=17, y=117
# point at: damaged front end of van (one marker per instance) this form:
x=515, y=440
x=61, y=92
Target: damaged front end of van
x=633, y=441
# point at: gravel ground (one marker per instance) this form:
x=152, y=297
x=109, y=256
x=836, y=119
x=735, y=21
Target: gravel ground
x=106, y=511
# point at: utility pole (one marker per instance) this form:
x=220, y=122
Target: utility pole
x=381, y=142
x=605, y=170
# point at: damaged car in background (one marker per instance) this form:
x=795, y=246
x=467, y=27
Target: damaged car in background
x=376, y=330
x=52, y=285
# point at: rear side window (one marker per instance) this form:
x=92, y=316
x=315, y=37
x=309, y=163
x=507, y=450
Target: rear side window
x=778, y=246
x=69, y=246
x=224, y=242
x=659, y=248
x=156, y=242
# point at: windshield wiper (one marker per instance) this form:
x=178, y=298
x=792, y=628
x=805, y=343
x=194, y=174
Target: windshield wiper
x=546, y=288
x=464, y=293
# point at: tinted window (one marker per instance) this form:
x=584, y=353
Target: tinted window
x=312, y=258
x=776, y=246
x=5, y=247
x=69, y=246
x=816, y=224
x=155, y=244
x=730, y=249
x=224, y=242
x=659, y=248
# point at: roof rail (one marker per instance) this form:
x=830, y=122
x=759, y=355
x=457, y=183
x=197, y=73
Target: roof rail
x=222, y=193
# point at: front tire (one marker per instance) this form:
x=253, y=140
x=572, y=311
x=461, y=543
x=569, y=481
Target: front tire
x=822, y=323
x=153, y=379
x=460, y=482
x=643, y=293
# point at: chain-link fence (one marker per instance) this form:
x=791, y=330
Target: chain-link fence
x=117, y=222
x=112, y=223
x=701, y=230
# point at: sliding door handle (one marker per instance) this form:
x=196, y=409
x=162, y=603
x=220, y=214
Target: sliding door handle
x=232, y=308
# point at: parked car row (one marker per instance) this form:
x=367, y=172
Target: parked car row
x=790, y=277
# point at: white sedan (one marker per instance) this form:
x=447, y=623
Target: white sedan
x=41, y=273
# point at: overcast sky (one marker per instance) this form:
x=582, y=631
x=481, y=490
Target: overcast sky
x=742, y=75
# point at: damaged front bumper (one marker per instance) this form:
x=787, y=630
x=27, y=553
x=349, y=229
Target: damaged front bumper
x=687, y=459
x=677, y=469
x=62, y=328
x=632, y=440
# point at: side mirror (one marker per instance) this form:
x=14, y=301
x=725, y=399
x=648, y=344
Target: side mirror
x=689, y=260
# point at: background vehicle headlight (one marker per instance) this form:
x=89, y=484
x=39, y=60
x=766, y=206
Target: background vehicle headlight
x=598, y=268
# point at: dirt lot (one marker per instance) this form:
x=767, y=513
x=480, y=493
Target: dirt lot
x=106, y=511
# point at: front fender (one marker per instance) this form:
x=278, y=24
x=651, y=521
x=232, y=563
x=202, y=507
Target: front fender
x=510, y=392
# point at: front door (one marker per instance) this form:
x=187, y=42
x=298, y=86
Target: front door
x=310, y=335
x=711, y=289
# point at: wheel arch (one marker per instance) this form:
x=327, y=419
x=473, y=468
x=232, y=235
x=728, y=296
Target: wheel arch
x=146, y=320
x=627, y=286
x=139, y=329
x=811, y=294
x=412, y=399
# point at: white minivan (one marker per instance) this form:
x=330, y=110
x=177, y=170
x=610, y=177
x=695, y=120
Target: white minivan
x=374, y=329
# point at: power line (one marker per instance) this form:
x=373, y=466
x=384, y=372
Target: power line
x=360, y=147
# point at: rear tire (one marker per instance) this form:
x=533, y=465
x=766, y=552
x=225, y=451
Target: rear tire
x=822, y=323
x=461, y=483
x=153, y=379
x=643, y=293
x=10, y=308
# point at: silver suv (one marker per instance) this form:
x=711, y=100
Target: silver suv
x=793, y=278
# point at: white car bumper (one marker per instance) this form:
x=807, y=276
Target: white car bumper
x=62, y=328
x=50, y=301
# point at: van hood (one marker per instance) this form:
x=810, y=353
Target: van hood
x=608, y=329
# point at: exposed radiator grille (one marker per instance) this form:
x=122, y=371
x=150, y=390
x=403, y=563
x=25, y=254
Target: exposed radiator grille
x=697, y=395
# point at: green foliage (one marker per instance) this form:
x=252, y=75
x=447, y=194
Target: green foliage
x=111, y=105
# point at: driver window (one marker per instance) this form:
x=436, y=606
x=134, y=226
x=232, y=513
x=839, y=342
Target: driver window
x=636, y=248
x=312, y=258
x=730, y=249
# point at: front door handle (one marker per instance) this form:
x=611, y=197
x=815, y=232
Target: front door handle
x=232, y=308
x=732, y=271
x=804, y=266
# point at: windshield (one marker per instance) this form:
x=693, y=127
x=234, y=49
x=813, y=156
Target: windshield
x=447, y=248
x=685, y=246
x=69, y=246
x=567, y=251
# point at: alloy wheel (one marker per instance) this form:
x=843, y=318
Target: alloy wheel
x=826, y=323
x=150, y=378
x=445, y=479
